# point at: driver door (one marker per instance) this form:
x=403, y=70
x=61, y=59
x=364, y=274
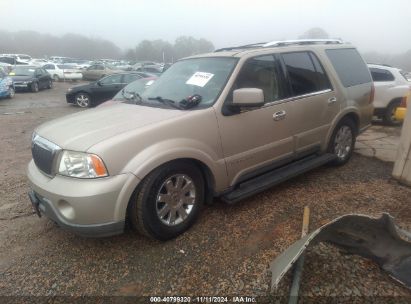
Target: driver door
x=107, y=87
x=258, y=139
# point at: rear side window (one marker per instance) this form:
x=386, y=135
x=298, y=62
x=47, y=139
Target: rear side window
x=381, y=75
x=350, y=67
x=305, y=73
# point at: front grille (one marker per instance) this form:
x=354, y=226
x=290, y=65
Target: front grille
x=44, y=154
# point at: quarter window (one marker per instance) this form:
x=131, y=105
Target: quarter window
x=350, y=67
x=305, y=73
x=381, y=75
x=261, y=73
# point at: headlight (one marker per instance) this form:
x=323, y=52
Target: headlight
x=69, y=90
x=81, y=165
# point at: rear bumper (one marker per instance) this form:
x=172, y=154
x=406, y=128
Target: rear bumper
x=76, y=76
x=94, y=208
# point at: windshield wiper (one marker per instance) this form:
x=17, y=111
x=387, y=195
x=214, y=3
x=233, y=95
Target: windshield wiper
x=184, y=104
x=166, y=101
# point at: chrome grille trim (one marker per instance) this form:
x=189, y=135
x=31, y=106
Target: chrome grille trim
x=45, y=154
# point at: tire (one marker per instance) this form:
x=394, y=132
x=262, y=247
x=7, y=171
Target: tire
x=50, y=84
x=389, y=114
x=56, y=78
x=12, y=92
x=34, y=87
x=83, y=100
x=342, y=141
x=150, y=215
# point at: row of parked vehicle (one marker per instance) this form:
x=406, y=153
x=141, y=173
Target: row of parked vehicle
x=392, y=85
x=65, y=68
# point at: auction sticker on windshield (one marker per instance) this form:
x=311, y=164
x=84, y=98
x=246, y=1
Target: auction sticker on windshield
x=200, y=79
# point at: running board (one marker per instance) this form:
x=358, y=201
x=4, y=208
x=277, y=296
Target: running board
x=275, y=177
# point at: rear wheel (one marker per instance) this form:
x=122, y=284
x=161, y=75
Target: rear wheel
x=168, y=201
x=389, y=114
x=34, y=87
x=343, y=141
x=50, y=84
x=83, y=100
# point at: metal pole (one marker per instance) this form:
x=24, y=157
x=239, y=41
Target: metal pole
x=298, y=268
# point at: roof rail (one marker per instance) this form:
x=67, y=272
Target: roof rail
x=302, y=42
x=282, y=43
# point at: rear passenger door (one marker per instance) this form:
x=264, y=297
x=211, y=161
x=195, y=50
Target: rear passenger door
x=314, y=100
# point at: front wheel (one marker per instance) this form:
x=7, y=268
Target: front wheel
x=343, y=141
x=83, y=100
x=34, y=87
x=12, y=92
x=168, y=201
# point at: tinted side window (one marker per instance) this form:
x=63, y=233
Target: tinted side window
x=302, y=73
x=113, y=79
x=381, y=75
x=261, y=73
x=130, y=78
x=349, y=66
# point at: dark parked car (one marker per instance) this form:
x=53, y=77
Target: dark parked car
x=102, y=90
x=131, y=92
x=30, y=78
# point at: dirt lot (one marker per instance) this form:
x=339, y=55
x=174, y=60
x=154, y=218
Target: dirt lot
x=226, y=253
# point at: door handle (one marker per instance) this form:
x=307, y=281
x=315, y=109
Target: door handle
x=332, y=100
x=279, y=115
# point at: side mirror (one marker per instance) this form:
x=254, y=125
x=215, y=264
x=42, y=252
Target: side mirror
x=99, y=83
x=248, y=97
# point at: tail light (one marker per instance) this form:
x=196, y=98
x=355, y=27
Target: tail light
x=372, y=93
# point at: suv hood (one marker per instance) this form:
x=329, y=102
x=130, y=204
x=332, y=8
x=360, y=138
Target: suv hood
x=80, y=131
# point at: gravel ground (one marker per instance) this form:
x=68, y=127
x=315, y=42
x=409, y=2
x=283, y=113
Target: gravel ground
x=228, y=250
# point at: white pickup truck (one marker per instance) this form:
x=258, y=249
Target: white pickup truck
x=391, y=91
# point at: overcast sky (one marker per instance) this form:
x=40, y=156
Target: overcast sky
x=372, y=25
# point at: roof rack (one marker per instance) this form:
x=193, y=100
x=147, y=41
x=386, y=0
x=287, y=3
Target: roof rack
x=283, y=43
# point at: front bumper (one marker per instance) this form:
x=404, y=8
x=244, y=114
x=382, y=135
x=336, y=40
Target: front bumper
x=93, y=208
x=22, y=86
x=70, y=97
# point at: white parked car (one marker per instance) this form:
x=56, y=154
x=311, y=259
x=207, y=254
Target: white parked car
x=391, y=91
x=38, y=62
x=63, y=72
x=23, y=58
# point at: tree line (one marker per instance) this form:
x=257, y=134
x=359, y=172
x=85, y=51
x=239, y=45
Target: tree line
x=79, y=46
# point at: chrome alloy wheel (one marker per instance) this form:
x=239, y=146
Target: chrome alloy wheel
x=343, y=142
x=83, y=100
x=175, y=199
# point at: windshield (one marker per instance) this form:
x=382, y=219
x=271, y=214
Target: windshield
x=134, y=89
x=22, y=71
x=204, y=77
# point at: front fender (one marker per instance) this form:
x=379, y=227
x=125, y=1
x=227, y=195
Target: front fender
x=180, y=148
